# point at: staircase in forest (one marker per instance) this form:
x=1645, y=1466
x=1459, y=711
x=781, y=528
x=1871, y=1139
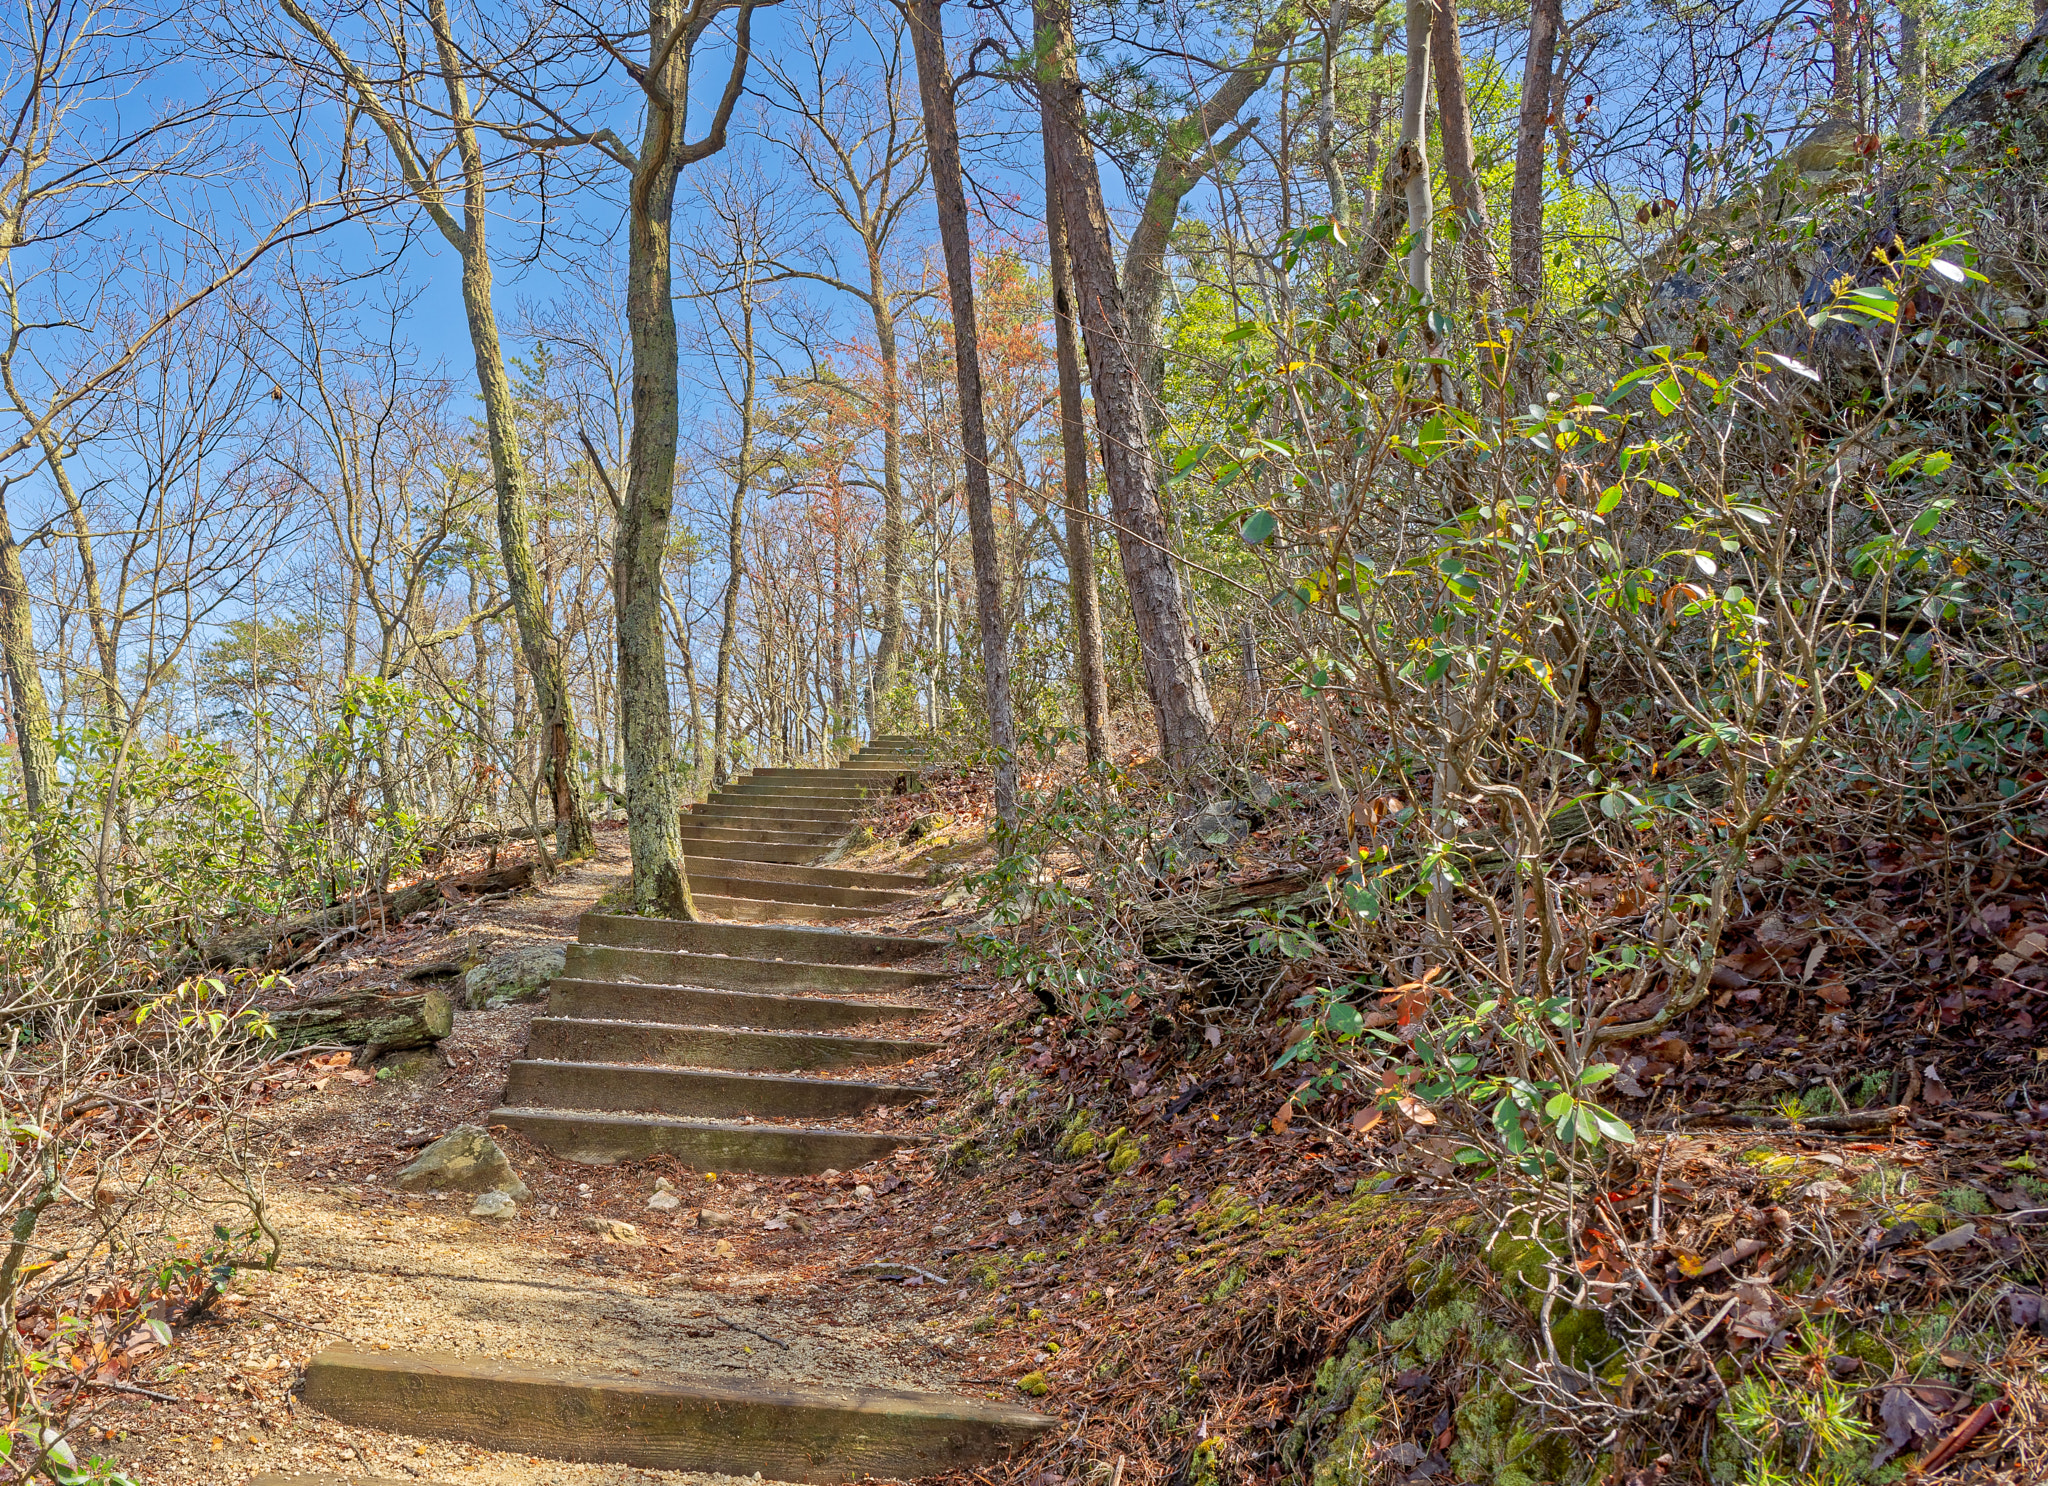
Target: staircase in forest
x=705, y=1041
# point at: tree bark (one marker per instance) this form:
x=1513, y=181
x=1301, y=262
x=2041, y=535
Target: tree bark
x=1326, y=114
x=380, y=1023
x=661, y=884
x=1912, y=81
x=1091, y=678
x=1173, y=668
x=34, y=740
x=942, y=139
x=1525, y=206
x=889, y=647
x=1414, y=153
x=735, y=553
x=1461, y=178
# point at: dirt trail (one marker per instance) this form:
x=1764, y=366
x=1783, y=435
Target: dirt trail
x=368, y=1265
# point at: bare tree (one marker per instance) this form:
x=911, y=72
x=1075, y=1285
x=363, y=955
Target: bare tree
x=1173, y=670
x=1525, y=205
x=942, y=138
x=410, y=123
x=861, y=152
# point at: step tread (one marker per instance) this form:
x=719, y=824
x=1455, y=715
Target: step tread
x=908, y=1047
x=694, y=1073
x=784, y=1431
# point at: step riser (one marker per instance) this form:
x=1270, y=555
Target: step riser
x=785, y=1434
x=849, y=877
x=765, y=911
x=758, y=1150
x=680, y=1007
x=736, y=851
x=693, y=1095
x=564, y=1038
x=742, y=835
x=800, y=893
x=848, y=796
x=762, y=814
x=813, y=946
x=729, y=973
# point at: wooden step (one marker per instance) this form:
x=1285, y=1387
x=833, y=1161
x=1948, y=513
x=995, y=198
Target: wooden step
x=692, y=1093
x=769, y=911
x=735, y=972
x=744, y=851
x=741, y=832
x=686, y=1006
x=761, y=811
x=814, y=946
x=701, y=1145
x=559, y=1037
x=783, y=1431
x=743, y=882
x=814, y=876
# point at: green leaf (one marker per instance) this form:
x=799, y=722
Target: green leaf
x=1598, y=1073
x=1936, y=462
x=1343, y=1020
x=1241, y=333
x=1667, y=395
x=1947, y=270
x=1258, y=528
x=1793, y=364
x=1609, y=499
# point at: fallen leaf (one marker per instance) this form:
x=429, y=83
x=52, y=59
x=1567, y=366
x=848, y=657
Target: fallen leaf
x=1282, y=1117
x=1835, y=994
x=1416, y=1110
x=1955, y=1238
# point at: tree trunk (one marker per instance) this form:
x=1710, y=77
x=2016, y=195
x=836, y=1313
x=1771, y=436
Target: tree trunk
x=1842, y=60
x=1461, y=179
x=1525, y=207
x=728, y=632
x=33, y=737
x=1414, y=155
x=942, y=140
x=1326, y=114
x=661, y=885
x=1090, y=673
x=378, y=1023
x=1912, y=84
x=889, y=647
x=1173, y=669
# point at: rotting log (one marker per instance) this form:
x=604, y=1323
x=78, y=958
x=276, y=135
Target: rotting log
x=375, y=1021
x=301, y=940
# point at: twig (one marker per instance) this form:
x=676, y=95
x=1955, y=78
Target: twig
x=1968, y=1430
x=114, y=1387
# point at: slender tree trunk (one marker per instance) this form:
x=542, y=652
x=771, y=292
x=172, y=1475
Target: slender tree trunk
x=661, y=884
x=113, y=707
x=1089, y=671
x=1842, y=59
x=942, y=139
x=34, y=739
x=889, y=647
x=1173, y=669
x=1326, y=114
x=1912, y=84
x=735, y=555
x=1525, y=206
x=1414, y=157
x=1461, y=179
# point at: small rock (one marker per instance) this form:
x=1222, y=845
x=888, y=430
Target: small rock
x=864, y=1192
x=711, y=1217
x=612, y=1230
x=465, y=1160
x=495, y=1207
x=723, y=1249
x=779, y=1221
x=516, y=975
x=664, y=1202
x=829, y=1173
x=663, y=1184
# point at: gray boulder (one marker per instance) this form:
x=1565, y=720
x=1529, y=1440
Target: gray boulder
x=516, y=975
x=465, y=1160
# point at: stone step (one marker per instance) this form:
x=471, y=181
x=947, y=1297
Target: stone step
x=858, y=773
x=663, y=967
x=798, y=894
x=561, y=1038
x=810, y=876
x=684, y=1006
x=835, y=790
x=701, y=1145
x=692, y=1093
x=768, y=911
x=812, y=946
x=785, y=1432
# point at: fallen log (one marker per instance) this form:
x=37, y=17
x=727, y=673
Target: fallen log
x=276, y=945
x=376, y=1022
